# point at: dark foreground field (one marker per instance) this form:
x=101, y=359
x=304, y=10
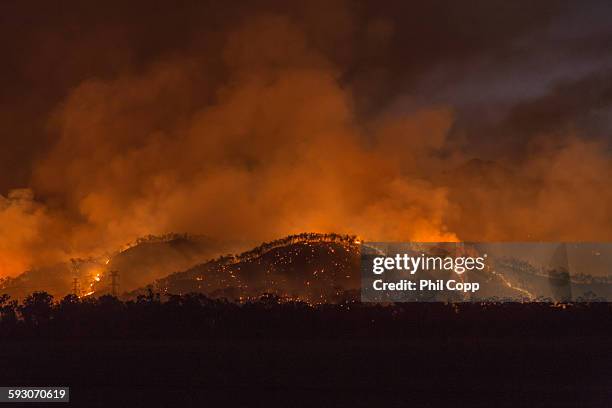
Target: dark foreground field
x=266, y=354
x=354, y=372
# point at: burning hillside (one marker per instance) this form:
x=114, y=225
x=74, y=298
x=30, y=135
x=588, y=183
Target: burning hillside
x=317, y=268
x=140, y=262
x=325, y=268
x=311, y=267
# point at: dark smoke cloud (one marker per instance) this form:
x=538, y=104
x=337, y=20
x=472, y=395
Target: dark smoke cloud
x=435, y=121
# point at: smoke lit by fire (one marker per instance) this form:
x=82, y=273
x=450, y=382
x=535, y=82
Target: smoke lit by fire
x=261, y=132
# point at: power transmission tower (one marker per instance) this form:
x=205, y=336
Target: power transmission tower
x=76, y=287
x=75, y=280
x=114, y=283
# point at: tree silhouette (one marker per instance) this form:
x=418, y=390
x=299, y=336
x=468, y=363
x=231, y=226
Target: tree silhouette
x=37, y=308
x=8, y=310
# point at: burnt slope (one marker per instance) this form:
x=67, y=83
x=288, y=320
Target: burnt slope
x=312, y=267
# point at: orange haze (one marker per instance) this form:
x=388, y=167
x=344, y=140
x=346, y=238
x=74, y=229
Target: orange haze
x=279, y=148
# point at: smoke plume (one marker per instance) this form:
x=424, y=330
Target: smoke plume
x=269, y=125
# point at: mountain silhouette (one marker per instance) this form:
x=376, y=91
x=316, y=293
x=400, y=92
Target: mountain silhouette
x=310, y=267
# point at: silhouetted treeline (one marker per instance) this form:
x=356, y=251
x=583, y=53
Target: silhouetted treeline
x=195, y=316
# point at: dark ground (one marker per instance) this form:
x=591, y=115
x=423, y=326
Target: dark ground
x=502, y=356
x=359, y=373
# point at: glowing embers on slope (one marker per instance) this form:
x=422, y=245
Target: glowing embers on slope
x=316, y=268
